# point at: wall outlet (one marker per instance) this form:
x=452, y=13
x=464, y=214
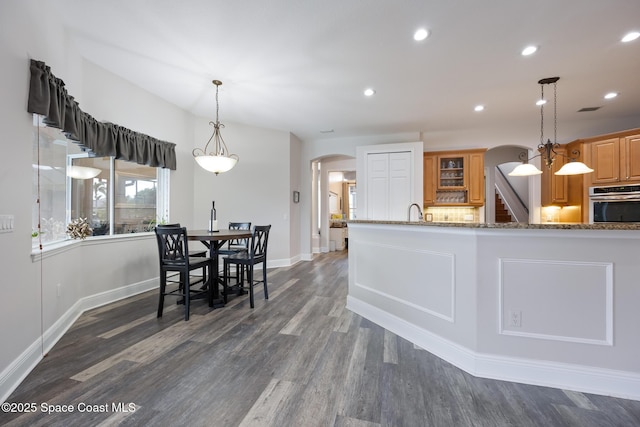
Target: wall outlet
x=515, y=318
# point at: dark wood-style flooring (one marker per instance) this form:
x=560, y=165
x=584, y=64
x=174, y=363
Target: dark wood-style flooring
x=298, y=359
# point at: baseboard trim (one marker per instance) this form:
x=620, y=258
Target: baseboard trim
x=586, y=379
x=18, y=370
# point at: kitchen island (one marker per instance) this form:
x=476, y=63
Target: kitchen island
x=544, y=304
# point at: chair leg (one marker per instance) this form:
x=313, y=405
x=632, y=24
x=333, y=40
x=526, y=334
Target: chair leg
x=163, y=285
x=264, y=280
x=250, y=280
x=240, y=278
x=225, y=279
x=187, y=292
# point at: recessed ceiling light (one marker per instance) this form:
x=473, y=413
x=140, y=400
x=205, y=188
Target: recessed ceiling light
x=369, y=92
x=420, y=35
x=541, y=102
x=529, y=50
x=611, y=95
x=479, y=108
x=630, y=36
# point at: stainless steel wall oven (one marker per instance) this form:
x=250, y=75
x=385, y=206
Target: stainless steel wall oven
x=620, y=203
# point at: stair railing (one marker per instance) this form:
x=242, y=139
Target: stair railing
x=512, y=201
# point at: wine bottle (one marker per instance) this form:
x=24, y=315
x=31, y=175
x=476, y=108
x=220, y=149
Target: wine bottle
x=213, y=222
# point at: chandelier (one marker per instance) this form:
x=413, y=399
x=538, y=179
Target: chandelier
x=548, y=149
x=218, y=160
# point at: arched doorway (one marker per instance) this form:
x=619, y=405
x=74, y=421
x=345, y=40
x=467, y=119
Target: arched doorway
x=330, y=199
x=503, y=192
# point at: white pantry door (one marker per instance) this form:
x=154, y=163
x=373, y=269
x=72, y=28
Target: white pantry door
x=388, y=185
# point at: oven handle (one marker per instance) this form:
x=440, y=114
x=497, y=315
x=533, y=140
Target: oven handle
x=617, y=197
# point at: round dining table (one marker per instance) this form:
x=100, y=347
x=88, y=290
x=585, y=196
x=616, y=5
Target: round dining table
x=214, y=240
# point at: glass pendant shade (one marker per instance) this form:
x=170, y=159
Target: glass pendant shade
x=82, y=172
x=525, y=169
x=574, y=168
x=216, y=164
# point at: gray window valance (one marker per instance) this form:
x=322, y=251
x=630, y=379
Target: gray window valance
x=49, y=98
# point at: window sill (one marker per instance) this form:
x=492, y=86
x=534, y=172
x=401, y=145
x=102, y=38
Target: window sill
x=53, y=249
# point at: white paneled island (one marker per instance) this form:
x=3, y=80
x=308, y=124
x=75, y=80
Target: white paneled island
x=554, y=305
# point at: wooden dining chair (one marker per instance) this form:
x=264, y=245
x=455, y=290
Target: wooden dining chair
x=174, y=257
x=192, y=251
x=256, y=254
x=234, y=246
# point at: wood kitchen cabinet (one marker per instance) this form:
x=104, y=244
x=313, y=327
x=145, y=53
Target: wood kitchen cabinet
x=454, y=178
x=615, y=160
x=429, y=184
x=475, y=182
x=554, y=188
x=631, y=157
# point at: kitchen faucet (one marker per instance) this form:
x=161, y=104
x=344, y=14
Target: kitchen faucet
x=419, y=211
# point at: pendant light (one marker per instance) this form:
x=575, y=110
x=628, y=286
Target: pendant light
x=219, y=160
x=548, y=149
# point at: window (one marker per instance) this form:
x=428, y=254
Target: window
x=115, y=196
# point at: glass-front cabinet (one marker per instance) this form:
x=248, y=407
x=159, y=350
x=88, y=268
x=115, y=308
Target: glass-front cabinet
x=451, y=175
x=452, y=186
x=454, y=178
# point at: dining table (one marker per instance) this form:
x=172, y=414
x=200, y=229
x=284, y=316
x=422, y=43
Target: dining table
x=214, y=240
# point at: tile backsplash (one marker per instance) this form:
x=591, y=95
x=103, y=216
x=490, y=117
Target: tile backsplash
x=452, y=214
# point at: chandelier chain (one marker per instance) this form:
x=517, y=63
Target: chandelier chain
x=217, y=104
x=555, y=112
x=542, y=115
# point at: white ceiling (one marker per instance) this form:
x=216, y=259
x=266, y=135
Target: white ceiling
x=302, y=65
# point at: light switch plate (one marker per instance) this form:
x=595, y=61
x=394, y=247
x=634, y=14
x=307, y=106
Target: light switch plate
x=6, y=223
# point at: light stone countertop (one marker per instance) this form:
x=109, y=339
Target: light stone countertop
x=508, y=225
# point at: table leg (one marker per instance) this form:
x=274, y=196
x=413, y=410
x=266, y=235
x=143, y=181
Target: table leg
x=214, y=295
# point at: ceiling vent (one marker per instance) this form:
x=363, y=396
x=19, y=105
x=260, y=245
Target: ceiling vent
x=584, y=110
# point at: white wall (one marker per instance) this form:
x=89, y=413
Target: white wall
x=257, y=189
x=296, y=185
x=24, y=34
